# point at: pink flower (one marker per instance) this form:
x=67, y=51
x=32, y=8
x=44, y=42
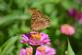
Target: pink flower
x=35, y=38
x=72, y=12
x=75, y=14
x=45, y=50
x=67, y=29
x=24, y=38
x=26, y=51
x=41, y=50
x=23, y=51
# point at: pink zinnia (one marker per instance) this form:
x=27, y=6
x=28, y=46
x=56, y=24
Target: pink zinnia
x=75, y=14
x=72, y=12
x=67, y=29
x=26, y=51
x=41, y=50
x=45, y=50
x=35, y=38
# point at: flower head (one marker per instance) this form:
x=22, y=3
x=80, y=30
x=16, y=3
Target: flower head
x=35, y=38
x=41, y=50
x=72, y=12
x=26, y=51
x=67, y=29
x=75, y=14
x=45, y=50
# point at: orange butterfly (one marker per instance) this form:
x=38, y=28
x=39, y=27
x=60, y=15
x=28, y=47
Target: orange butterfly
x=39, y=21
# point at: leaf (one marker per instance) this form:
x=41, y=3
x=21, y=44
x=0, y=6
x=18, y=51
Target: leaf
x=10, y=50
x=70, y=50
x=14, y=29
x=9, y=19
x=7, y=45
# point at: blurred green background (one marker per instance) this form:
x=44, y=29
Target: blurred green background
x=15, y=20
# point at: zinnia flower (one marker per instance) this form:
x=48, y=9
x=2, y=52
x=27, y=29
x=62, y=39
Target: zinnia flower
x=67, y=29
x=75, y=14
x=26, y=51
x=72, y=12
x=45, y=50
x=35, y=38
x=41, y=50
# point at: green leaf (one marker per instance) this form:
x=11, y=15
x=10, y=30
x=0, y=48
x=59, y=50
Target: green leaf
x=10, y=50
x=70, y=50
x=9, y=19
x=8, y=44
x=14, y=29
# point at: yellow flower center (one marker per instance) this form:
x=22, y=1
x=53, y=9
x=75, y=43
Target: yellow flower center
x=36, y=36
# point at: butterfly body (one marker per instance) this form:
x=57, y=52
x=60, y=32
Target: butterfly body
x=39, y=21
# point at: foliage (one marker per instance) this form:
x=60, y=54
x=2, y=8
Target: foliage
x=15, y=20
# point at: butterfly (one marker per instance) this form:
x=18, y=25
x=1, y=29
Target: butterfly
x=39, y=21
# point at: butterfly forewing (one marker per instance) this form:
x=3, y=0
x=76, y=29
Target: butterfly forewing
x=39, y=21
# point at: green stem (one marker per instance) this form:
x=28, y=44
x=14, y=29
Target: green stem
x=34, y=50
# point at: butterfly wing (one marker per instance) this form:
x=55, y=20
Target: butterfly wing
x=39, y=21
x=40, y=24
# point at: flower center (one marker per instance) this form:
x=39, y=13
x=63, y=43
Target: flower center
x=36, y=36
